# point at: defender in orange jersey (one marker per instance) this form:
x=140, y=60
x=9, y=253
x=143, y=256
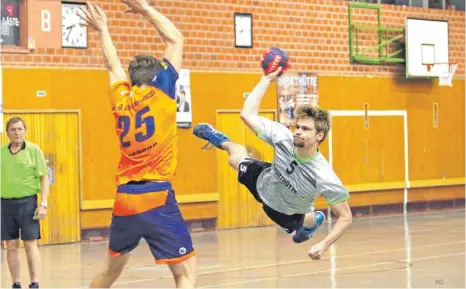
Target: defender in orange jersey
x=145, y=120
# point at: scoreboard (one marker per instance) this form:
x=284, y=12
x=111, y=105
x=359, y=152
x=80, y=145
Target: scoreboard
x=41, y=24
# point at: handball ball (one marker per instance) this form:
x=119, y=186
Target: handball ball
x=273, y=58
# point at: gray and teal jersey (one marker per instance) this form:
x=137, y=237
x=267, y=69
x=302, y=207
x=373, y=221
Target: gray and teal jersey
x=292, y=184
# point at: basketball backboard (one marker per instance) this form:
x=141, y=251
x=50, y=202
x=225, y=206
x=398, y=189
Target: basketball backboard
x=427, y=50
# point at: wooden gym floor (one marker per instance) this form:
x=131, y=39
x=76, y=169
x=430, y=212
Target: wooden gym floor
x=425, y=250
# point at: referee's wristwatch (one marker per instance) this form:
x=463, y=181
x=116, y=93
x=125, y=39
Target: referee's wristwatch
x=43, y=204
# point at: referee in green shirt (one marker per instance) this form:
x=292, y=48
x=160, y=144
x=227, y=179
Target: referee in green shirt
x=23, y=176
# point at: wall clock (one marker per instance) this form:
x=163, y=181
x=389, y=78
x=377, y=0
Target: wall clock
x=243, y=30
x=73, y=35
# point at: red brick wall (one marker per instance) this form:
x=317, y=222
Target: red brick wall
x=315, y=34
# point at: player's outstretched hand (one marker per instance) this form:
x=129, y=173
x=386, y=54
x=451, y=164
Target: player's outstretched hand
x=273, y=76
x=93, y=17
x=135, y=6
x=316, y=251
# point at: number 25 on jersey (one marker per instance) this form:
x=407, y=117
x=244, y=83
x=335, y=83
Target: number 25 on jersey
x=144, y=123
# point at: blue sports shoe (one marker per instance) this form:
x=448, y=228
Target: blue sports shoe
x=304, y=234
x=209, y=133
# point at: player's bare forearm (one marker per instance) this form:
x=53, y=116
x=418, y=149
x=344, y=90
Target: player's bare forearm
x=344, y=219
x=112, y=60
x=341, y=225
x=168, y=31
x=251, y=106
x=44, y=188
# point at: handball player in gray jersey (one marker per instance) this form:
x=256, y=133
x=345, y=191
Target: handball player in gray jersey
x=299, y=173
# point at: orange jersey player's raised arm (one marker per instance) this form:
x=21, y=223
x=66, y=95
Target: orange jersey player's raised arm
x=145, y=121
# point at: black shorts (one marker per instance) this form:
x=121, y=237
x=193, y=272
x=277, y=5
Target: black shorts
x=17, y=216
x=248, y=173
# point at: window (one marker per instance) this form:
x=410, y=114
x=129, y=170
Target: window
x=13, y=22
x=459, y=4
x=417, y=3
x=431, y=4
x=436, y=4
x=395, y=2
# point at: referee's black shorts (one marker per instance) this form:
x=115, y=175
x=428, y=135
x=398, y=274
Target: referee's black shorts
x=18, y=218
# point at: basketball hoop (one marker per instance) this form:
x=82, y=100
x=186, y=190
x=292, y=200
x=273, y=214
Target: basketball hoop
x=445, y=79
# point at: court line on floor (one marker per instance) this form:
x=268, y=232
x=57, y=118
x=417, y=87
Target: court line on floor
x=159, y=268
x=309, y=260
x=362, y=219
x=330, y=270
x=290, y=263
x=411, y=214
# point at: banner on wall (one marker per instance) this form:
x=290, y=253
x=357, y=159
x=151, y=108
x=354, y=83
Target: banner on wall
x=295, y=89
x=184, y=116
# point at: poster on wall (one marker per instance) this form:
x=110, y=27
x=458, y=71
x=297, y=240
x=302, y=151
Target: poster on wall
x=295, y=89
x=183, y=100
x=1, y=99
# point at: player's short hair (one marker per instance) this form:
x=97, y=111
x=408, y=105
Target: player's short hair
x=321, y=117
x=14, y=120
x=143, y=68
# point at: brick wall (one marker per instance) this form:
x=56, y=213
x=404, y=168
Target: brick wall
x=315, y=34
